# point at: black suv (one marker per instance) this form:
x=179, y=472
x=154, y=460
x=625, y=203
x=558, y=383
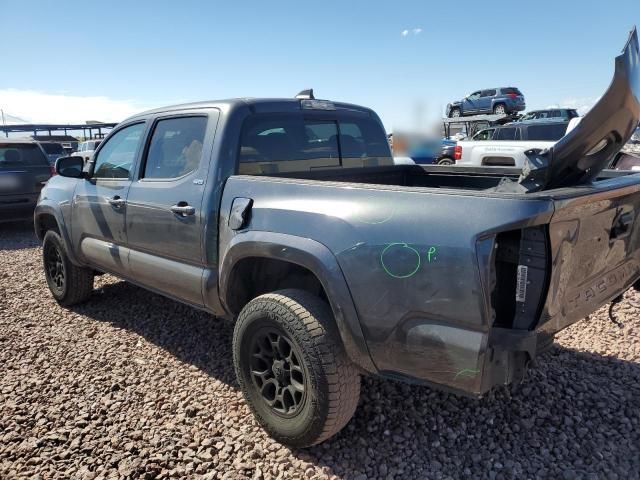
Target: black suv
x=531, y=130
x=24, y=169
x=564, y=114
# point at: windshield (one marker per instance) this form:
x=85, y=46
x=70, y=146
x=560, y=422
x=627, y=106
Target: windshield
x=511, y=90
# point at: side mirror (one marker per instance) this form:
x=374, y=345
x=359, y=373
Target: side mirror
x=70, y=167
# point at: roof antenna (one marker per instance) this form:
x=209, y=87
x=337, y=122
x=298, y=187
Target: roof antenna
x=306, y=94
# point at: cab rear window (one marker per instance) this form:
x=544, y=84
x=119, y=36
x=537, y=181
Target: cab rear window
x=276, y=143
x=21, y=155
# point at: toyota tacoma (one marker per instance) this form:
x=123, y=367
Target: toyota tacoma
x=289, y=216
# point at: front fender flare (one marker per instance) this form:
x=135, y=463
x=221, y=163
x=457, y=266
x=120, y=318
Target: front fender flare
x=44, y=209
x=318, y=259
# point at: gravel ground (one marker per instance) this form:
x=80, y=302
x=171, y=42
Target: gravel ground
x=132, y=385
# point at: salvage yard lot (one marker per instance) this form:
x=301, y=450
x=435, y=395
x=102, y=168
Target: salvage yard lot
x=133, y=385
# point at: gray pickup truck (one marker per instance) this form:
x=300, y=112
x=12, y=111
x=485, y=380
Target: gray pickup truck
x=289, y=216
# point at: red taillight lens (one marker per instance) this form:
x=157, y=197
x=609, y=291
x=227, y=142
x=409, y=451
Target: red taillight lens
x=457, y=152
x=512, y=95
x=52, y=170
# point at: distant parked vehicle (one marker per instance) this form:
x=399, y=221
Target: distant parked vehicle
x=53, y=151
x=447, y=153
x=564, y=114
x=86, y=149
x=504, y=100
x=508, y=143
x=24, y=169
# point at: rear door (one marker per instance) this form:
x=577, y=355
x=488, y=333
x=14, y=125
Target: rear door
x=165, y=216
x=484, y=103
x=595, y=249
x=24, y=169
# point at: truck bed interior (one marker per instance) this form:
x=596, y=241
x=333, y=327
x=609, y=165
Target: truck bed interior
x=440, y=176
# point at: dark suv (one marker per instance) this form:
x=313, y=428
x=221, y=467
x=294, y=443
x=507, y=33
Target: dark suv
x=539, y=130
x=504, y=100
x=24, y=170
x=565, y=114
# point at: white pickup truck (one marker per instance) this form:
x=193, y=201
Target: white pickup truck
x=506, y=144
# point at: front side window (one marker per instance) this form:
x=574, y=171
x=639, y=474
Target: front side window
x=176, y=147
x=474, y=96
x=483, y=135
x=488, y=93
x=116, y=158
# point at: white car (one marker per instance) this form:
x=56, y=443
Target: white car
x=86, y=149
x=505, y=146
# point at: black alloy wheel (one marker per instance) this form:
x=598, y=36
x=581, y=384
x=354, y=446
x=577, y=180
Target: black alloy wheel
x=277, y=372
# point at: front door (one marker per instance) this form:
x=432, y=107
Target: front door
x=470, y=103
x=99, y=204
x=165, y=216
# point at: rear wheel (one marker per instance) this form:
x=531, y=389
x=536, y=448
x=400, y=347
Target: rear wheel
x=499, y=109
x=446, y=161
x=292, y=369
x=455, y=113
x=68, y=283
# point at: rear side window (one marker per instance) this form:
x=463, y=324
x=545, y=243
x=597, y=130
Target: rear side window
x=21, y=155
x=546, y=132
x=176, y=147
x=507, y=134
x=52, y=148
x=488, y=93
x=116, y=158
x=293, y=143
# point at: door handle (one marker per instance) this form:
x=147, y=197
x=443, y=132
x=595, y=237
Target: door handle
x=116, y=201
x=183, y=209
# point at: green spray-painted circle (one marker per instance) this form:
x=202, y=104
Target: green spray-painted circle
x=395, y=274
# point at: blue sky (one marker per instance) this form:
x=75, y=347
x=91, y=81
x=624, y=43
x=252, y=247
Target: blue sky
x=67, y=60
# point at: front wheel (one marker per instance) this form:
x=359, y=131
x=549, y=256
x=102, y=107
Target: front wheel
x=292, y=369
x=455, y=113
x=68, y=283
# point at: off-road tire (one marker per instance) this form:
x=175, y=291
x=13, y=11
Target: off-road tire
x=332, y=383
x=78, y=281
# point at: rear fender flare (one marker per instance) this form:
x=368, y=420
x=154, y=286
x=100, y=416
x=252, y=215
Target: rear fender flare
x=318, y=259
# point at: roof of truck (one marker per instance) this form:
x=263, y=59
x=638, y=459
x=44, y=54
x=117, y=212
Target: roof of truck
x=256, y=102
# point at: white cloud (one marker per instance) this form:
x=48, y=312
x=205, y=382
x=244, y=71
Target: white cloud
x=413, y=31
x=41, y=107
